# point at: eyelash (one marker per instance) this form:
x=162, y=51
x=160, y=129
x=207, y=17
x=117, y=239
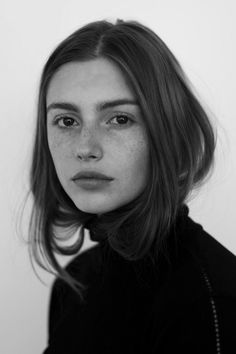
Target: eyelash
x=68, y=117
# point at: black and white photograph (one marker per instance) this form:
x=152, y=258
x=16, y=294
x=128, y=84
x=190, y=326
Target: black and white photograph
x=118, y=177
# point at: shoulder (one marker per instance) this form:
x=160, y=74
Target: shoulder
x=83, y=267
x=215, y=261
x=63, y=299
x=204, y=267
x=204, y=270
x=197, y=302
x=202, y=326
x=86, y=263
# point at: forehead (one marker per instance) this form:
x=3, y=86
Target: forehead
x=83, y=80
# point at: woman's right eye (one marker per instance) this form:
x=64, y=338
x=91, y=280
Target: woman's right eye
x=67, y=122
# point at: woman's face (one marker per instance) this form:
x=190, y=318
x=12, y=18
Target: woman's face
x=84, y=136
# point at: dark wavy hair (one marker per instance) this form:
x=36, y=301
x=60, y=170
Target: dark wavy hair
x=181, y=146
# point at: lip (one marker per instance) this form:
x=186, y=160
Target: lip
x=91, y=175
x=92, y=183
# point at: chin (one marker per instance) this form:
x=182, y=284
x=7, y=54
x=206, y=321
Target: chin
x=96, y=205
x=92, y=209
x=96, y=210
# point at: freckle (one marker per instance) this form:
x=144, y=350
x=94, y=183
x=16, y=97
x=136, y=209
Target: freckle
x=135, y=147
x=56, y=143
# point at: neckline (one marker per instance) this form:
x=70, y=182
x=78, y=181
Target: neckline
x=98, y=233
x=146, y=272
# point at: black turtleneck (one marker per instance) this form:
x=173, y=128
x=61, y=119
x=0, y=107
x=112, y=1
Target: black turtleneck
x=187, y=305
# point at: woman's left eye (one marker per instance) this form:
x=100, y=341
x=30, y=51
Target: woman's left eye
x=122, y=118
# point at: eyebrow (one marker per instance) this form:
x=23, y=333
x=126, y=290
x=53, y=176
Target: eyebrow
x=99, y=107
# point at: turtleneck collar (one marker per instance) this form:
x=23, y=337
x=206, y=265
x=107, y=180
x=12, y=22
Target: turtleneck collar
x=144, y=270
x=148, y=274
x=94, y=225
x=97, y=231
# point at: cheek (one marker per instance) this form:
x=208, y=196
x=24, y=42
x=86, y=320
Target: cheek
x=137, y=157
x=59, y=150
x=56, y=142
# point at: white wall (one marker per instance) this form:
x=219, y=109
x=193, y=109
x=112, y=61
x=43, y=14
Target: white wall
x=202, y=34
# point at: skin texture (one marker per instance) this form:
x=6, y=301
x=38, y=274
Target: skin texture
x=97, y=140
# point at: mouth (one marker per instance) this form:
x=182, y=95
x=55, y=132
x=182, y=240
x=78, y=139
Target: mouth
x=94, y=179
x=91, y=175
x=92, y=183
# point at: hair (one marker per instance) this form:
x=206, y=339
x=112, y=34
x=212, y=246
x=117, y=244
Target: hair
x=181, y=146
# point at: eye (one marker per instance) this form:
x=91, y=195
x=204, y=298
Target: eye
x=122, y=119
x=67, y=122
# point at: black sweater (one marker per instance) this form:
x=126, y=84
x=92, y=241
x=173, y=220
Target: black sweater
x=132, y=307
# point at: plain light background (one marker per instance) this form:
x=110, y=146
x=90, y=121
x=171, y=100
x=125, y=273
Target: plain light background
x=201, y=34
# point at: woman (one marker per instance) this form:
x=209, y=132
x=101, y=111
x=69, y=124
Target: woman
x=121, y=142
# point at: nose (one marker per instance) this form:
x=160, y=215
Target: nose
x=87, y=156
x=88, y=146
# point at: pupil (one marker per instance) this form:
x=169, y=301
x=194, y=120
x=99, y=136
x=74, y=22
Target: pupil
x=66, y=120
x=122, y=118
